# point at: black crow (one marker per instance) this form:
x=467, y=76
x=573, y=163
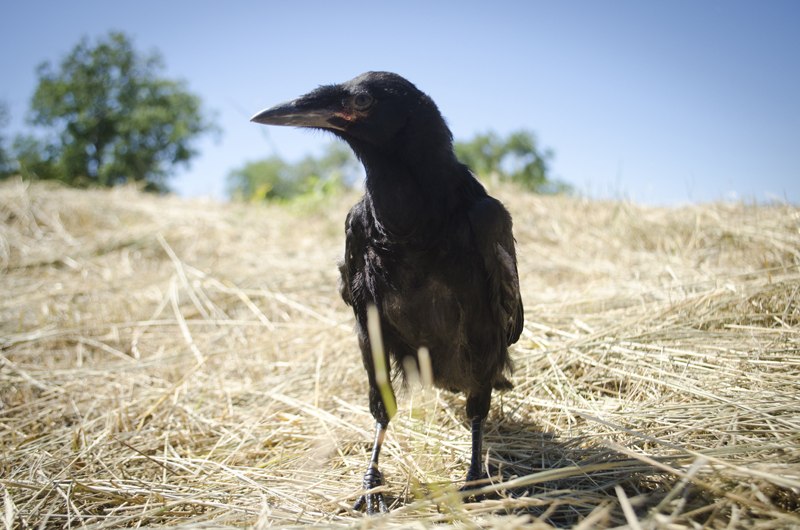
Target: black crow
x=426, y=245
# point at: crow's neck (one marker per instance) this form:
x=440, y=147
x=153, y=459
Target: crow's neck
x=412, y=198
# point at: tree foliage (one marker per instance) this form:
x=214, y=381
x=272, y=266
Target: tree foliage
x=278, y=180
x=113, y=118
x=5, y=157
x=514, y=158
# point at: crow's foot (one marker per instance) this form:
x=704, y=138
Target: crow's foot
x=474, y=480
x=374, y=502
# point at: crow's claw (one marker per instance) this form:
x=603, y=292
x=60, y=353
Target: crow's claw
x=374, y=502
x=474, y=481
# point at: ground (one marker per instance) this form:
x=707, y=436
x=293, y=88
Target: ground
x=172, y=362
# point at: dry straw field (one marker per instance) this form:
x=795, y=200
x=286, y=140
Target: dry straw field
x=167, y=362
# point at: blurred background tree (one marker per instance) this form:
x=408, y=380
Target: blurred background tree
x=111, y=117
x=515, y=158
x=276, y=180
x=6, y=162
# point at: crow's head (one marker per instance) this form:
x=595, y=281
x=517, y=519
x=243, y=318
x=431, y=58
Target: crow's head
x=376, y=111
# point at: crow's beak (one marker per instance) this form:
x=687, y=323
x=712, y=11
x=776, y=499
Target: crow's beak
x=298, y=114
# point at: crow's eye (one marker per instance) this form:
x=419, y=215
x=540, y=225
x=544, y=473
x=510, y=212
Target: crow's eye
x=362, y=101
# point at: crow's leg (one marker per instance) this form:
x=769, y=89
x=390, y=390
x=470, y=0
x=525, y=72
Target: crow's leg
x=477, y=410
x=374, y=502
x=476, y=471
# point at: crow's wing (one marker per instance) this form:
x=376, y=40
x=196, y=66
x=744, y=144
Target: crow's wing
x=491, y=226
x=351, y=268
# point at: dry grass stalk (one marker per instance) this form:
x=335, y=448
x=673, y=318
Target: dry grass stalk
x=185, y=363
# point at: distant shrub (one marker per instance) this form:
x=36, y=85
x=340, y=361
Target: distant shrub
x=516, y=158
x=273, y=179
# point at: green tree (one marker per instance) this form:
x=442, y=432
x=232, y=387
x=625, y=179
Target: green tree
x=261, y=180
x=515, y=158
x=6, y=164
x=115, y=117
x=275, y=179
x=483, y=153
x=36, y=158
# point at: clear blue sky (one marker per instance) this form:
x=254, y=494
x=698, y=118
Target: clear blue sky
x=663, y=102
